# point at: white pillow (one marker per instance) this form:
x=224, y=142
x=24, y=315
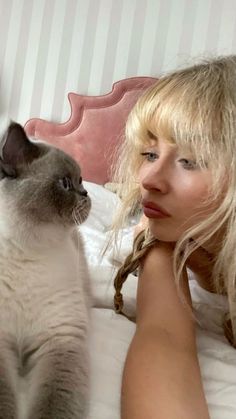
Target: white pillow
x=104, y=205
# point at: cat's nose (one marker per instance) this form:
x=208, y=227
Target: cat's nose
x=83, y=191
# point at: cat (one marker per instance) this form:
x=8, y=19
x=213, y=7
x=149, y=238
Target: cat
x=44, y=285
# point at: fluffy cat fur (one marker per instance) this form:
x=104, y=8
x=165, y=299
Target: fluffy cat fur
x=44, y=290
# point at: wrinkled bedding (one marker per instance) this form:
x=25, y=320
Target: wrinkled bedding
x=111, y=333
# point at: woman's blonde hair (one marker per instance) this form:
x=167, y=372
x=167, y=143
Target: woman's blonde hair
x=194, y=108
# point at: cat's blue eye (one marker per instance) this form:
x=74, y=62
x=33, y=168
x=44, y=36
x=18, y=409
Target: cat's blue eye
x=66, y=183
x=150, y=155
x=188, y=164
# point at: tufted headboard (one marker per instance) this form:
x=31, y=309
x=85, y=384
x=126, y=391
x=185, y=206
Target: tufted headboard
x=95, y=127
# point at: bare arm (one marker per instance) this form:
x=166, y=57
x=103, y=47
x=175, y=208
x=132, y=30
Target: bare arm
x=200, y=262
x=161, y=377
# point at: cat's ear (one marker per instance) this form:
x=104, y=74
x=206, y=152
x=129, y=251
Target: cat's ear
x=16, y=149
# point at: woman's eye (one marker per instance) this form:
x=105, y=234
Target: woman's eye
x=66, y=183
x=188, y=164
x=150, y=155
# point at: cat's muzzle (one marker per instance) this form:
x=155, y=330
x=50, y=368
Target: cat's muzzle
x=82, y=209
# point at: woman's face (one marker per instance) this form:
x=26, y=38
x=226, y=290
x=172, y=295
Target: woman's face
x=173, y=190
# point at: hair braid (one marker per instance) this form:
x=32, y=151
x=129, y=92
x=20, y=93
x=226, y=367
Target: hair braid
x=142, y=243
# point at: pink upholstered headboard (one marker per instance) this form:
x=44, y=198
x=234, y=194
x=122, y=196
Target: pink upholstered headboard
x=95, y=127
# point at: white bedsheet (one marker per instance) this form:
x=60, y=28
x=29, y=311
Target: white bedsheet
x=111, y=333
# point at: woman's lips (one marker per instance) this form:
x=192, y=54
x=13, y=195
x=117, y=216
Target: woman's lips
x=152, y=210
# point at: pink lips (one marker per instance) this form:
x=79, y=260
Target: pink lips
x=152, y=210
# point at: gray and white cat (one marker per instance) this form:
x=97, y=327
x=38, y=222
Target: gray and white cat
x=44, y=290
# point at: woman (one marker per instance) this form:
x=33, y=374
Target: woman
x=179, y=163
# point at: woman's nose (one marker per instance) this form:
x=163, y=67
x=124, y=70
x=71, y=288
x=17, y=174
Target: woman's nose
x=155, y=177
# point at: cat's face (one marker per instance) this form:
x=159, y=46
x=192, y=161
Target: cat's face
x=42, y=183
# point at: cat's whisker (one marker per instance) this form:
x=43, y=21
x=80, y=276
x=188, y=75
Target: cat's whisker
x=75, y=217
x=80, y=212
x=76, y=214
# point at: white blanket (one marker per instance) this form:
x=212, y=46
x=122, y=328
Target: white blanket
x=111, y=333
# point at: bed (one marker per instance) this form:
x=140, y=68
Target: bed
x=92, y=133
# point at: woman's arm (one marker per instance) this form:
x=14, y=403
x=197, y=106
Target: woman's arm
x=201, y=263
x=161, y=377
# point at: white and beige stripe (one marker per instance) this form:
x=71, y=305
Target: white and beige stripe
x=51, y=47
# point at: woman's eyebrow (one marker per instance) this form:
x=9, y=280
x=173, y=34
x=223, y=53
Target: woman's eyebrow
x=151, y=135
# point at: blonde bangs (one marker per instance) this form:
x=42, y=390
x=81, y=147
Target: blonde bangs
x=180, y=111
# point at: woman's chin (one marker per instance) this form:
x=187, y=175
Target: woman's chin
x=163, y=235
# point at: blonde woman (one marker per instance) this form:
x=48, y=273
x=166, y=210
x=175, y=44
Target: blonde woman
x=179, y=162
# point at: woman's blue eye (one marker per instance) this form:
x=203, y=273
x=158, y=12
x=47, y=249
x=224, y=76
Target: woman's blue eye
x=188, y=164
x=150, y=155
x=66, y=183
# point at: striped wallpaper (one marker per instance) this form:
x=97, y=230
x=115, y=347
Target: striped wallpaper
x=51, y=47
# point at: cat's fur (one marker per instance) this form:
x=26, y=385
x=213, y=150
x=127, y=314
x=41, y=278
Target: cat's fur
x=44, y=293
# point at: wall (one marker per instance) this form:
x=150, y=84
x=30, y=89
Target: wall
x=51, y=47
